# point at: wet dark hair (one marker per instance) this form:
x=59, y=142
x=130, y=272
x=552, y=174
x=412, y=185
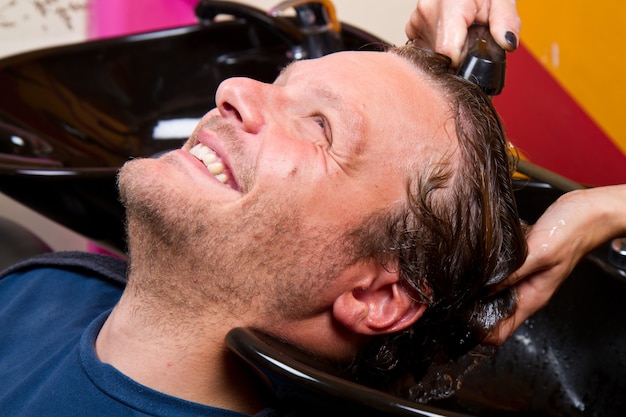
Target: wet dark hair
x=459, y=233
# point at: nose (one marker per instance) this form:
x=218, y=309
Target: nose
x=243, y=100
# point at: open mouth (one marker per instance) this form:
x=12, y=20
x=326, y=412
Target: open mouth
x=214, y=164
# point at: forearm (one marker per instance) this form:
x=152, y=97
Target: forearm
x=598, y=214
x=612, y=201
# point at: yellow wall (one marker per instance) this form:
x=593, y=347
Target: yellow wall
x=581, y=43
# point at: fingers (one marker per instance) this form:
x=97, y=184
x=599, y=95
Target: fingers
x=412, y=27
x=536, y=261
x=451, y=36
x=442, y=25
x=424, y=16
x=505, y=24
x=532, y=294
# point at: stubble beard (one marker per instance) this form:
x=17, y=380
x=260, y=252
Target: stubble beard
x=196, y=263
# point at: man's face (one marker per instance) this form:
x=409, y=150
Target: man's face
x=271, y=180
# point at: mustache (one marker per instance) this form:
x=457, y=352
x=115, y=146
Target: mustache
x=220, y=127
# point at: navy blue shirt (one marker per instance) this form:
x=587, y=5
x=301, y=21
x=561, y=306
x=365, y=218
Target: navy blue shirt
x=50, y=316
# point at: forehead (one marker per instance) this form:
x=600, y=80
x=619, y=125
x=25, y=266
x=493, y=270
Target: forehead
x=388, y=120
x=378, y=84
x=350, y=67
x=392, y=99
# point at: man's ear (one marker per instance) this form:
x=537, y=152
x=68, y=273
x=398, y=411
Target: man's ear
x=377, y=303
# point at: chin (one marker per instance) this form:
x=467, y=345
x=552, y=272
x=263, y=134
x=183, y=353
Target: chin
x=133, y=180
x=153, y=201
x=148, y=183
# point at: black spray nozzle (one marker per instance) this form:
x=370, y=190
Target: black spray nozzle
x=485, y=62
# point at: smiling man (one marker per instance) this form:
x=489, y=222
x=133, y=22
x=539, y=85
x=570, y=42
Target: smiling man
x=360, y=195
x=309, y=162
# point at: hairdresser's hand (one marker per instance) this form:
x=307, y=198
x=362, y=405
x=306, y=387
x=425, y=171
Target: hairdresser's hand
x=442, y=24
x=574, y=225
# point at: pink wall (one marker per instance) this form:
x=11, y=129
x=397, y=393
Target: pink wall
x=108, y=18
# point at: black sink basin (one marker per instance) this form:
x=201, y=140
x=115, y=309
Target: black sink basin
x=71, y=116
x=570, y=358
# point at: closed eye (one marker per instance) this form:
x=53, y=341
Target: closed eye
x=323, y=123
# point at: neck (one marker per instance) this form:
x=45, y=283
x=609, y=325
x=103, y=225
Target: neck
x=178, y=356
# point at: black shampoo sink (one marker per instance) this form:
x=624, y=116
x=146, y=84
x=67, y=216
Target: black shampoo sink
x=570, y=358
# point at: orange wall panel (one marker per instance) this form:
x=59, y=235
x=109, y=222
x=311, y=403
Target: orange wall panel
x=572, y=57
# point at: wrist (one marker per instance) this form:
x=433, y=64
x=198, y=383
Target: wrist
x=609, y=205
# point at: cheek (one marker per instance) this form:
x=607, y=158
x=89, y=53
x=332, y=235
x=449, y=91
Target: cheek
x=290, y=164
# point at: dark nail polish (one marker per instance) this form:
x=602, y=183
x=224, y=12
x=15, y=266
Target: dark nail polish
x=511, y=39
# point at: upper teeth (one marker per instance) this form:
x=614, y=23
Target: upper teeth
x=211, y=160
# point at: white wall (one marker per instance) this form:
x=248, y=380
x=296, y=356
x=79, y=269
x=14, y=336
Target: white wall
x=30, y=24
x=27, y=25
x=385, y=18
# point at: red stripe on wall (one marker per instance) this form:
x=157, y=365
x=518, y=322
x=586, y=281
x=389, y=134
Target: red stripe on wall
x=551, y=129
